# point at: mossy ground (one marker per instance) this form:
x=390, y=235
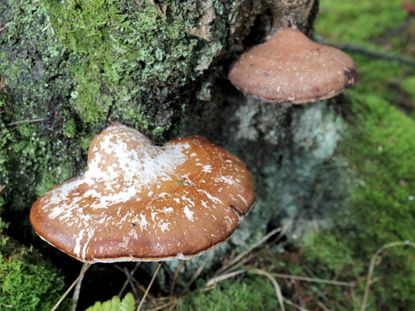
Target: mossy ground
x=253, y=293
x=27, y=281
x=380, y=149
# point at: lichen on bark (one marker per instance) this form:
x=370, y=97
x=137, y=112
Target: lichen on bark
x=125, y=54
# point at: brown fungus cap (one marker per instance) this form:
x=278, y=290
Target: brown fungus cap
x=137, y=201
x=289, y=67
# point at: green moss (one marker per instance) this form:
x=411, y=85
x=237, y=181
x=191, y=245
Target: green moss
x=4, y=139
x=381, y=150
x=319, y=248
x=69, y=127
x=51, y=178
x=33, y=65
x=375, y=77
x=408, y=85
x=384, y=164
x=86, y=141
x=26, y=281
x=122, y=51
x=38, y=164
x=157, y=132
x=115, y=304
x=37, y=78
x=250, y=294
x=360, y=22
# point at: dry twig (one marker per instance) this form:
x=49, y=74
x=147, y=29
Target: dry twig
x=198, y=271
x=322, y=306
x=27, y=121
x=402, y=60
x=223, y=277
x=3, y=27
x=149, y=286
x=57, y=304
x=251, y=248
x=274, y=282
x=176, y=275
x=128, y=280
x=373, y=262
x=77, y=290
x=163, y=307
x=292, y=304
x=312, y=280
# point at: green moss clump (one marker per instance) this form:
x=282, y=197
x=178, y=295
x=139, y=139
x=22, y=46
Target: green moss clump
x=320, y=248
x=26, y=282
x=69, y=127
x=250, y=294
x=122, y=53
x=359, y=22
x=375, y=76
x=381, y=150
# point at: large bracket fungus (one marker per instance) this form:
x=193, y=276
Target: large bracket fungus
x=140, y=202
x=289, y=67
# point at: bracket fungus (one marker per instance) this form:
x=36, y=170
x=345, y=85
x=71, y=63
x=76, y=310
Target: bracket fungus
x=289, y=67
x=140, y=202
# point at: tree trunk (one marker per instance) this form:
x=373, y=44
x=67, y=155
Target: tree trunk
x=72, y=67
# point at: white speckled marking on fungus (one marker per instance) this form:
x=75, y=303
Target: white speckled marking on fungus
x=137, y=201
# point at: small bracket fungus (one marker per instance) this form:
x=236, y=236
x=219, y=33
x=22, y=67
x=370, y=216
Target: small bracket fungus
x=290, y=67
x=140, y=202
